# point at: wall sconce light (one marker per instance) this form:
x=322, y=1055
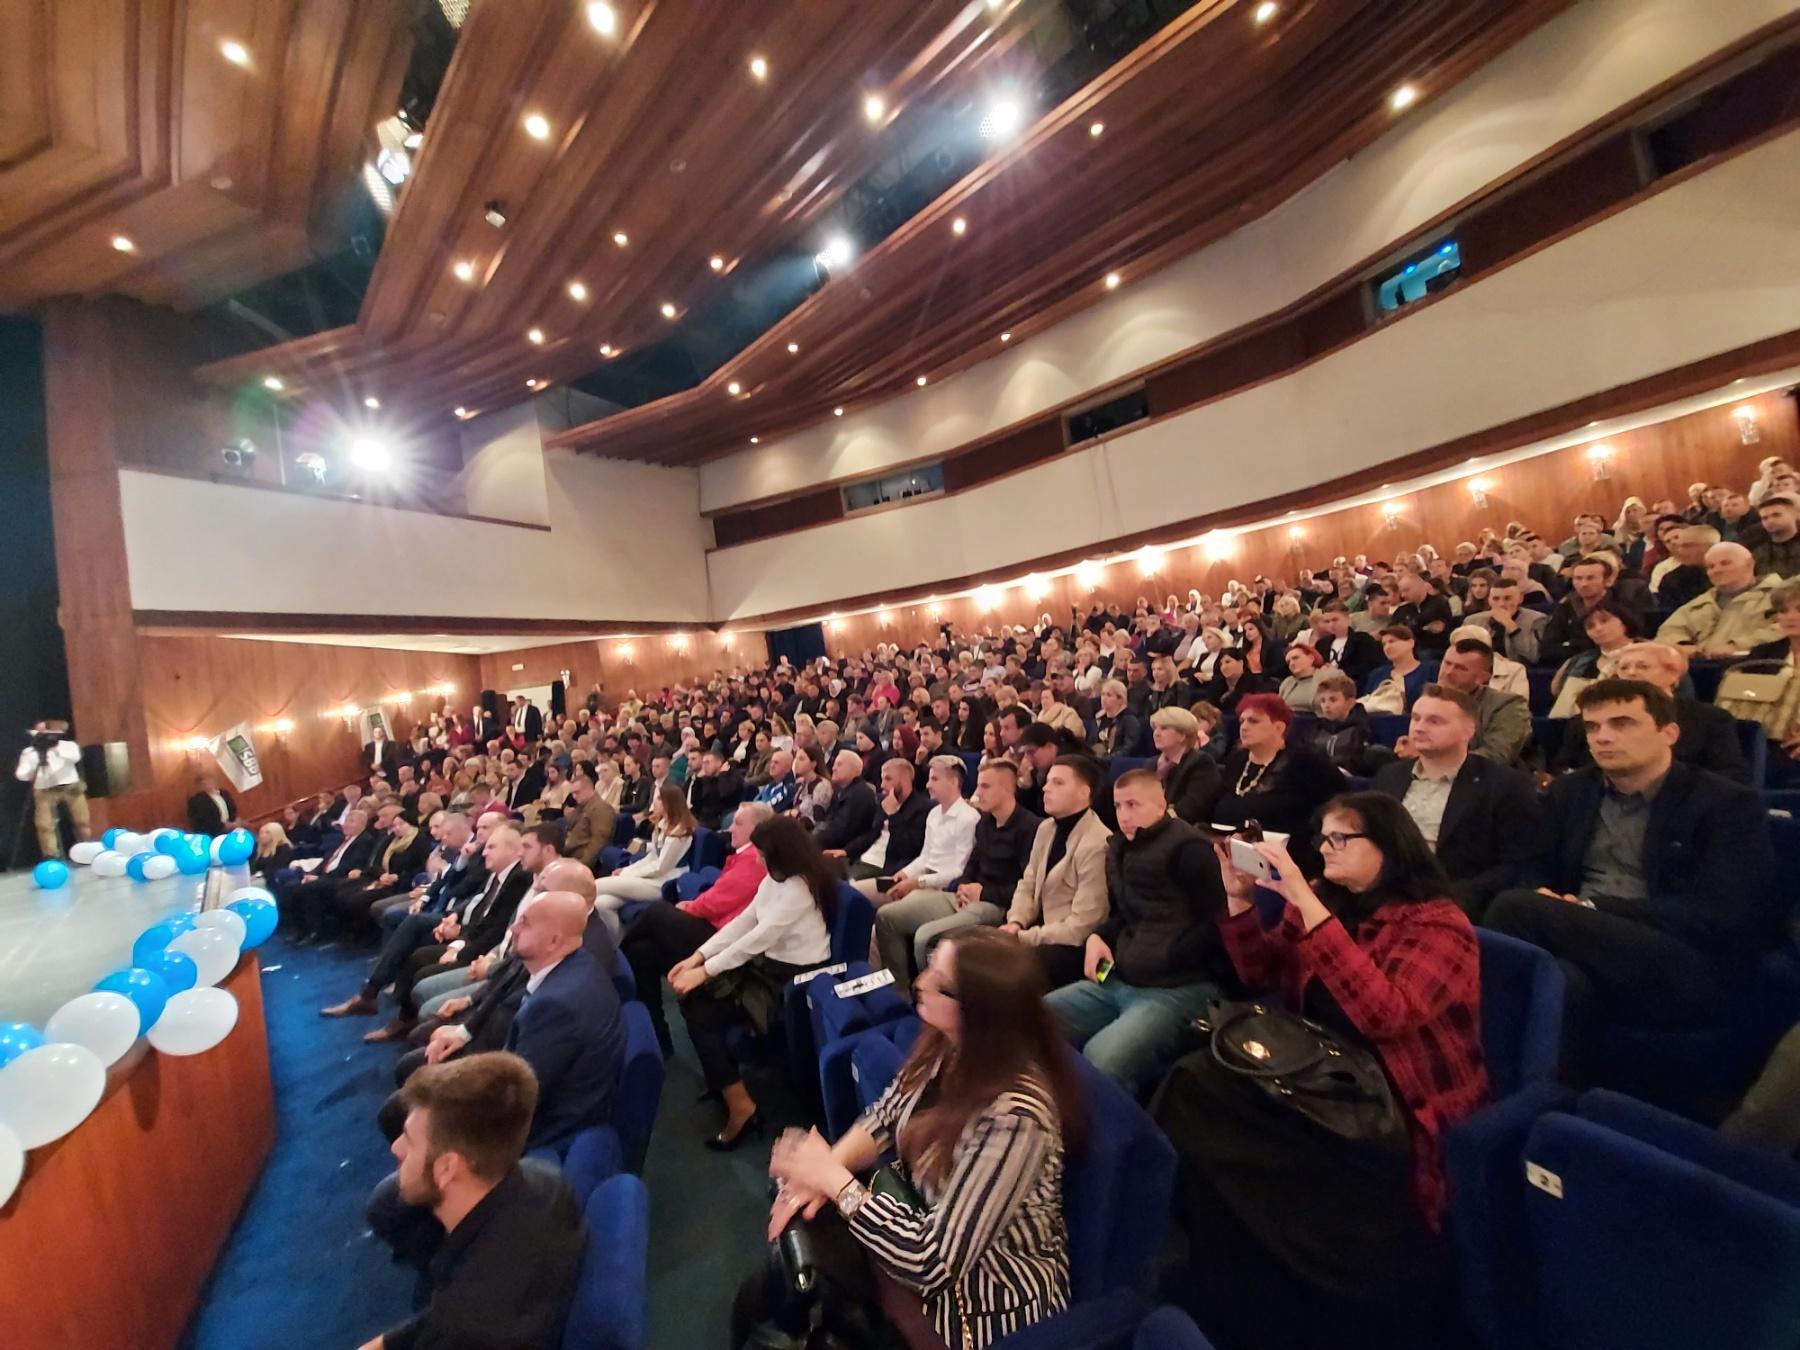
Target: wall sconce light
x=885, y=618
x=1035, y=587
x=1478, y=489
x=1296, y=534
x=1219, y=545
x=1749, y=430
x=196, y=744
x=836, y=623
x=1600, y=456
x=281, y=726
x=1087, y=575
x=679, y=642
x=623, y=651
x=1150, y=560
x=399, y=696
x=987, y=597
x=1390, y=515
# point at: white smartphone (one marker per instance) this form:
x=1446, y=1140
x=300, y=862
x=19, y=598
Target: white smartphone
x=1247, y=860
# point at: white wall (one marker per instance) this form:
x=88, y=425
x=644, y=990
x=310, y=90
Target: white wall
x=1571, y=73
x=503, y=466
x=1706, y=266
x=625, y=542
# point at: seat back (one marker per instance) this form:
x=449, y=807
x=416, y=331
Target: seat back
x=593, y=1157
x=1388, y=728
x=610, y=1308
x=1753, y=740
x=640, y=1086
x=1169, y=1328
x=852, y=923
x=1120, y=765
x=708, y=848
x=623, y=980
x=1521, y=1012
x=624, y=830
x=1118, y=1186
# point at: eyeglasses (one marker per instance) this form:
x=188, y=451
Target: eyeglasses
x=932, y=981
x=1338, y=839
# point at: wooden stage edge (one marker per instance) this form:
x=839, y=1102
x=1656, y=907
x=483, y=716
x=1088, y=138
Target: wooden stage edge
x=115, y=1228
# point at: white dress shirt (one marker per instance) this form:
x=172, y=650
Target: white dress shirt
x=781, y=922
x=58, y=768
x=949, y=839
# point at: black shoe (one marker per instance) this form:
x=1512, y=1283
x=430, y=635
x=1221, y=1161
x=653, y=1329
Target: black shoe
x=719, y=1143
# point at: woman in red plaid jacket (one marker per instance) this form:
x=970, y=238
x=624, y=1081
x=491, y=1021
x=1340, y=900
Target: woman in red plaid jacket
x=1302, y=1237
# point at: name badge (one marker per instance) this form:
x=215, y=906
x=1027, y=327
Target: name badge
x=863, y=984
x=806, y=975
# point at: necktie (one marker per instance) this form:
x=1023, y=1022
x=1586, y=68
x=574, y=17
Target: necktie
x=480, y=907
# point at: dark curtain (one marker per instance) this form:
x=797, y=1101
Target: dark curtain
x=798, y=645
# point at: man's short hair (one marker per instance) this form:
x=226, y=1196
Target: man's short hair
x=583, y=769
x=480, y=1107
x=1331, y=607
x=1593, y=560
x=1450, y=695
x=1785, y=596
x=949, y=764
x=1503, y=584
x=1017, y=715
x=1139, y=778
x=1788, y=502
x=1373, y=590
x=1475, y=647
x=1038, y=735
x=550, y=836
x=758, y=811
x=1615, y=690
x=1083, y=767
x=1005, y=766
x=1398, y=630
x=1338, y=681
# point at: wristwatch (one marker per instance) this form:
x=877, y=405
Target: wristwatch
x=851, y=1196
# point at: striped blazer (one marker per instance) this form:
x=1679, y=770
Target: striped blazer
x=992, y=1243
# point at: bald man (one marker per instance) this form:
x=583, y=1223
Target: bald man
x=1736, y=614
x=1709, y=737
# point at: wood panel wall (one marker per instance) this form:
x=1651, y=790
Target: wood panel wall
x=620, y=665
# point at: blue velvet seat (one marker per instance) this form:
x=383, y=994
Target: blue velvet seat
x=610, y=1309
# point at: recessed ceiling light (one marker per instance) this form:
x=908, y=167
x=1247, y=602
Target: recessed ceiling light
x=716, y=263
x=668, y=310
x=759, y=68
x=534, y=384
x=873, y=108
x=123, y=244
x=621, y=238
x=537, y=126
x=1112, y=281
x=578, y=292
x=465, y=270
x=1403, y=98
x=604, y=19
x=235, y=52
x=1096, y=129
x=793, y=347
x=535, y=336
x=1006, y=337
x=606, y=349
x=921, y=381
x=1002, y=120
x=273, y=384
x=734, y=388
x=837, y=254
x=837, y=412
x=372, y=403
x=463, y=413
x=959, y=226
x=755, y=440
x=1267, y=10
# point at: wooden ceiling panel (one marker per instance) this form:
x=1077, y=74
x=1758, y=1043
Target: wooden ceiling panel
x=215, y=171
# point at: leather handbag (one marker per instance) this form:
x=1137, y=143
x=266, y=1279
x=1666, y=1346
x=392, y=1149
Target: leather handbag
x=1302, y=1066
x=1766, y=692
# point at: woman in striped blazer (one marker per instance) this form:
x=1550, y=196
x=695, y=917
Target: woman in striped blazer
x=977, y=1117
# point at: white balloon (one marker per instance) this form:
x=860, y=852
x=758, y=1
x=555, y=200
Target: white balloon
x=226, y=921
x=250, y=893
x=212, y=950
x=12, y=1163
x=192, y=1021
x=46, y=1092
x=84, y=853
x=217, y=843
x=110, y=864
x=159, y=868
x=129, y=843
x=162, y=832
x=105, y=1023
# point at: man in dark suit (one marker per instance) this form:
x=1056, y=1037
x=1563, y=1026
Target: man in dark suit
x=526, y=719
x=211, y=810
x=853, y=817
x=1354, y=653
x=380, y=757
x=1652, y=880
x=399, y=856
x=308, y=900
x=1477, y=815
x=713, y=788
x=1709, y=737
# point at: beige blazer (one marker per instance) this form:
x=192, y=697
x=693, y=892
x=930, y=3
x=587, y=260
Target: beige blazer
x=1068, y=902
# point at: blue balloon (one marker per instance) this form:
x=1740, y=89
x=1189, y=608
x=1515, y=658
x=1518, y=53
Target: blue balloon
x=260, y=917
x=177, y=969
x=149, y=991
x=135, y=864
x=16, y=1038
x=50, y=874
x=151, y=941
x=237, y=848
x=169, y=843
x=181, y=923
x=192, y=862
x=111, y=837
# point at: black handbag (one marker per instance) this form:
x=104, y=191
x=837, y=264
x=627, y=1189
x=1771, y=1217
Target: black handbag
x=1307, y=1068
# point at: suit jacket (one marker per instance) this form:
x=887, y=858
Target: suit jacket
x=1708, y=859
x=403, y=860
x=1358, y=654
x=1489, y=827
x=710, y=798
x=1061, y=905
x=356, y=857
x=203, y=814
x=569, y=1031
x=455, y=884
x=486, y=924
x=590, y=829
x=527, y=788
x=851, y=820
x=905, y=832
x=1192, y=787
x=385, y=762
x=532, y=726
x=1709, y=740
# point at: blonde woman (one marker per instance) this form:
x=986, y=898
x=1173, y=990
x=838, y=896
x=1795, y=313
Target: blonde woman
x=274, y=850
x=607, y=783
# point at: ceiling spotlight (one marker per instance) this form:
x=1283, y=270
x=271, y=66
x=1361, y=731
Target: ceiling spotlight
x=535, y=336
x=235, y=52
x=495, y=214
x=273, y=384
x=1403, y=98
x=1006, y=337
x=578, y=292
x=837, y=412
x=759, y=68
x=793, y=347
x=123, y=244
x=606, y=349
x=620, y=238
x=534, y=383
x=1096, y=129
x=465, y=270
x=1112, y=281
x=920, y=381
x=837, y=254
x=370, y=454
x=668, y=310
x=537, y=126
x=1002, y=120
x=372, y=403
x=873, y=108
x=603, y=18
x=716, y=263
x=959, y=226
x=1267, y=10
x=463, y=414
x=734, y=388
x=756, y=440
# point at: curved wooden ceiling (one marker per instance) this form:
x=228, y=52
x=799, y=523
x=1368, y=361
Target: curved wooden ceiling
x=663, y=133
x=126, y=119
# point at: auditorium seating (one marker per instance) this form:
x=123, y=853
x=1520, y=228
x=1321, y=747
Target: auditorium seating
x=1169, y=1329
x=610, y=1309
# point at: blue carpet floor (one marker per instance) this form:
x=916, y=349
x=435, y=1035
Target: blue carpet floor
x=302, y=1271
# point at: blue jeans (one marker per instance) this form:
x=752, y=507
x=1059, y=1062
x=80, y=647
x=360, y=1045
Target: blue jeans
x=1128, y=1032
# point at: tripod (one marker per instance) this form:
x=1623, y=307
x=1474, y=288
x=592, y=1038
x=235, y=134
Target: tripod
x=25, y=805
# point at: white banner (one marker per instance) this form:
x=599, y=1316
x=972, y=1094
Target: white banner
x=237, y=756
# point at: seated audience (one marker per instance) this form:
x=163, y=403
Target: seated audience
x=274, y=850
x=1061, y=896
x=1117, y=730
x=1708, y=739
x=1352, y=651
x=812, y=793
x=1778, y=551
x=737, y=975
x=1235, y=681
x=1476, y=813
x=903, y=813
x=1155, y=963
x=1300, y=690
x=977, y=1116
x=400, y=853
x=591, y=820
x=1649, y=880
x=949, y=837
x=1426, y=612
x=1509, y=676
x=346, y=863
x=714, y=787
x=672, y=829
x=1782, y=722
x=1280, y=786
x=1565, y=633
x=1502, y=721
x=852, y=819
x=501, y=1239
x=1392, y=686
x=1730, y=618
x=1189, y=776
x=1340, y=727
x=1517, y=631
x=1302, y=1237
x=907, y=928
x=1682, y=576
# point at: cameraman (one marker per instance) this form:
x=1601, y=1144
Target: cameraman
x=51, y=764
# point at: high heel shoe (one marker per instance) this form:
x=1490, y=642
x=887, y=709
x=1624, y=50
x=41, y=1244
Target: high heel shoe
x=719, y=1143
